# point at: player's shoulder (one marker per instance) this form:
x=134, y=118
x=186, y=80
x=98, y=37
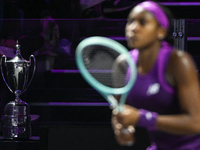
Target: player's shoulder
x=180, y=55
x=180, y=58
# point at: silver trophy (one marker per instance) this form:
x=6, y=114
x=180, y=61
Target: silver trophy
x=16, y=119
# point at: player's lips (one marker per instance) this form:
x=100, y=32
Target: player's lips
x=131, y=36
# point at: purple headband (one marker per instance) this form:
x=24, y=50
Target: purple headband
x=157, y=11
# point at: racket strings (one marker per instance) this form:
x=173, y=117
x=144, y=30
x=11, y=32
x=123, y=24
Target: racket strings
x=103, y=64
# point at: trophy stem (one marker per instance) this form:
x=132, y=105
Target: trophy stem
x=17, y=98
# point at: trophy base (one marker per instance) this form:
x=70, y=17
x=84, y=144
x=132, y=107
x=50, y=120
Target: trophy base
x=16, y=133
x=16, y=121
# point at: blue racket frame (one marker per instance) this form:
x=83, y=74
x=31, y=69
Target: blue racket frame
x=105, y=91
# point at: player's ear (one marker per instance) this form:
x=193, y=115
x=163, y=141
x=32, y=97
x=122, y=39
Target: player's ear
x=162, y=33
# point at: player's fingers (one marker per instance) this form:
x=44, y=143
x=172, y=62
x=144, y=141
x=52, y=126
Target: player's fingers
x=115, y=124
x=114, y=112
x=124, y=139
x=130, y=129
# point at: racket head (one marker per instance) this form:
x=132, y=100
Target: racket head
x=103, y=89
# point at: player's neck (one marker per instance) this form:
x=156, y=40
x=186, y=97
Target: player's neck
x=147, y=57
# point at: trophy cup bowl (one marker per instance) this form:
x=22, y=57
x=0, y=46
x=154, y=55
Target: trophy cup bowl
x=16, y=118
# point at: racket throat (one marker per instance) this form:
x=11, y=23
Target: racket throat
x=112, y=101
x=115, y=104
x=122, y=101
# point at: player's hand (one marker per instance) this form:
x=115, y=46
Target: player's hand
x=124, y=136
x=129, y=116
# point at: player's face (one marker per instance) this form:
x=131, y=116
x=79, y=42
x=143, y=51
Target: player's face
x=142, y=29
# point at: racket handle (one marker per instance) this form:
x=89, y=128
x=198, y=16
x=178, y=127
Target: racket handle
x=120, y=108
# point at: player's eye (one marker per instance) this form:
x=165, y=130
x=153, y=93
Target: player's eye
x=142, y=22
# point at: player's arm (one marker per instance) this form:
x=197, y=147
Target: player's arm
x=183, y=74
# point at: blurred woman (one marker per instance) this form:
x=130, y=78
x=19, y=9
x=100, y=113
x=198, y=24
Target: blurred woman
x=165, y=99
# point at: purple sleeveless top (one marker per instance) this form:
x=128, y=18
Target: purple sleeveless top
x=153, y=93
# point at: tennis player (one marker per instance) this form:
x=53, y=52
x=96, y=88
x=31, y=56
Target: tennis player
x=165, y=99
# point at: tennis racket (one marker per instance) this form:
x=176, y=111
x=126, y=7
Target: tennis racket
x=108, y=67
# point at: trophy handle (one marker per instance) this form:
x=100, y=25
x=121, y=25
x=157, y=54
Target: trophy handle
x=30, y=62
x=5, y=58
